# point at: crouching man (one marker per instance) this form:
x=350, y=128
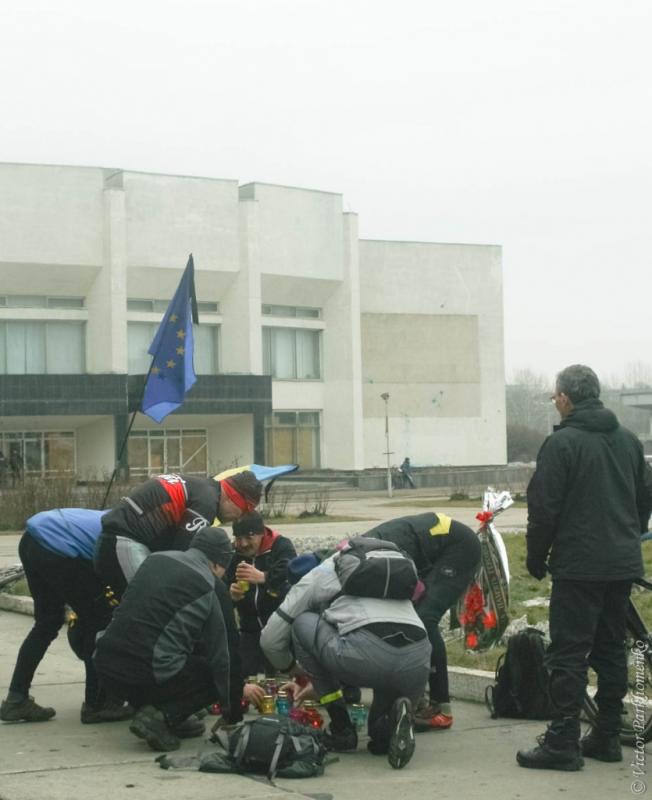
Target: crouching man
x=166, y=649
x=341, y=638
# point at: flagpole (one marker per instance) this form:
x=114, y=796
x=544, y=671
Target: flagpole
x=126, y=436
x=123, y=444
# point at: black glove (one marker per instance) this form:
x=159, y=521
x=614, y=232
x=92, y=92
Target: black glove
x=537, y=567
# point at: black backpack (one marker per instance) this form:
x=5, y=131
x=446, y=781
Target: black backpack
x=369, y=567
x=271, y=745
x=521, y=688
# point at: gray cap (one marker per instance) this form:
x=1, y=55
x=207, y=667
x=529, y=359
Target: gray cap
x=215, y=544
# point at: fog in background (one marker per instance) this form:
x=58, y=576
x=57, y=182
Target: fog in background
x=524, y=123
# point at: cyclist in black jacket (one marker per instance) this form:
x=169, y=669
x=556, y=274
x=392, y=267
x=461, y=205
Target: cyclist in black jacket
x=588, y=501
x=167, y=648
x=258, y=581
x=447, y=554
x=163, y=513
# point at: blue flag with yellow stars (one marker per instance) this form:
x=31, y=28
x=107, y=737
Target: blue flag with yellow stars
x=172, y=372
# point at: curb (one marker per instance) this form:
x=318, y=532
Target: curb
x=17, y=603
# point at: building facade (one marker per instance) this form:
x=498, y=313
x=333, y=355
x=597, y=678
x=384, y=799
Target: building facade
x=303, y=328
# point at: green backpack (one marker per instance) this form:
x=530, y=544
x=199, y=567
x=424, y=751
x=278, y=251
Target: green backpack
x=269, y=745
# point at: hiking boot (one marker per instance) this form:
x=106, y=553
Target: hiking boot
x=149, y=724
x=24, y=711
x=189, y=728
x=401, y=742
x=108, y=712
x=428, y=717
x=558, y=748
x=340, y=741
x=602, y=745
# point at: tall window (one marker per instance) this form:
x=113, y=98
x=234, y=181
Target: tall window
x=34, y=453
x=291, y=354
x=152, y=452
x=292, y=437
x=140, y=335
x=42, y=348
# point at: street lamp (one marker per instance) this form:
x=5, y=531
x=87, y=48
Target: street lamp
x=385, y=397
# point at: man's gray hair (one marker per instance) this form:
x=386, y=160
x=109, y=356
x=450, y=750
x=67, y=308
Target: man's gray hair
x=578, y=382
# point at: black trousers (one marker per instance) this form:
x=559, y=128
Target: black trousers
x=54, y=582
x=252, y=656
x=445, y=583
x=587, y=628
x=190, y=690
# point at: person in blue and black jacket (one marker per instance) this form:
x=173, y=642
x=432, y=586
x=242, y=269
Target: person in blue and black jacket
x=57, y=551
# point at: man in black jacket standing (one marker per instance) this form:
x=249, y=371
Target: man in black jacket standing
x=588, y=501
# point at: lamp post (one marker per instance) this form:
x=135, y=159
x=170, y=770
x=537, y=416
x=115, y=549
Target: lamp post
x=385, y=397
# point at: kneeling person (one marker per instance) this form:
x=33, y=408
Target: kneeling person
x=166, y=648
x=341, y=639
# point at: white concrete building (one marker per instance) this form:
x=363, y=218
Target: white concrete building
x=303, y=326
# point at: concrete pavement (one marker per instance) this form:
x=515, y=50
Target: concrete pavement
x=63, y=759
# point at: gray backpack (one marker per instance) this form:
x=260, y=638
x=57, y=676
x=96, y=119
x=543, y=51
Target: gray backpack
x=369, y=567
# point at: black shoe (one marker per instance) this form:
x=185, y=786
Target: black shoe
x=377, y=748
x=401, y=743
x=545, y=757
x=25, y=711
x=602, y=746
x=149, y=724
x=109, y=712
x=189, y=729
x=340, y=741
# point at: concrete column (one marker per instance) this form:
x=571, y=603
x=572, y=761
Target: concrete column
x=241, y=347
x=106, y=332
x=342, y=421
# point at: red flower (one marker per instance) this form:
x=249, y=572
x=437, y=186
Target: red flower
x=474, y=600
x=489, y=619
x=484, y=516
x=471, y=641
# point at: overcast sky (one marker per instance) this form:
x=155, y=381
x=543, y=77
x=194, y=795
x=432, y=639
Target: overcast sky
x=524, y=123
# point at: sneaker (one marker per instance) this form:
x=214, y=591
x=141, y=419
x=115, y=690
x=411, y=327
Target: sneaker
x=401, y=743
x=427, y=717
x=24, y=711
x=109, y=712
x=602, y=746
x=149, y=724
x=189, y=729
x=340, y=741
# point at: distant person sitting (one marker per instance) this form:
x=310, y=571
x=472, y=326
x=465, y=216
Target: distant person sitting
x=258, y=581
x=56, y=551
x=406, y=472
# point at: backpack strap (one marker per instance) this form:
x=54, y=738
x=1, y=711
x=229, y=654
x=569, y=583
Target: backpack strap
x=280, y=740
x=241, y=747
x=489, y=701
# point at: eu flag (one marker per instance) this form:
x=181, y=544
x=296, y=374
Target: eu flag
x=172, y=372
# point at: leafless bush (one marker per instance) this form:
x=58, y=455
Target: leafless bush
x=278, y=500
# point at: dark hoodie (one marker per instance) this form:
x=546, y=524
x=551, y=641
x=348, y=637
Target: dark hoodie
x=589, y=498
x=262, y=600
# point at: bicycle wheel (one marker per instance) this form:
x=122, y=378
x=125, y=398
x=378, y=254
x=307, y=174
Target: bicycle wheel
x=637, y=718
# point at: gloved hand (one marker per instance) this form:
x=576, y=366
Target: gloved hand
x=537, y=567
